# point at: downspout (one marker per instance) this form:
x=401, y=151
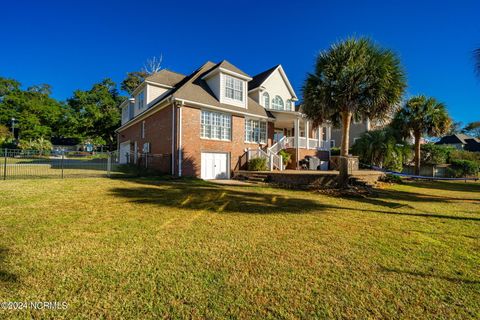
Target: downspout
x=180, y=138
x=172, y=100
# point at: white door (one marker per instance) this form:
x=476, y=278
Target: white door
x=214, y=165
x=124, y=150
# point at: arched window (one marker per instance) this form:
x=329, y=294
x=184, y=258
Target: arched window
x=288, y=105
x=277, y=103
x=266, y=100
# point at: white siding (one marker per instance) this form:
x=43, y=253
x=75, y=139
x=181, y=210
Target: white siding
x=275, y=85
x=154, y=92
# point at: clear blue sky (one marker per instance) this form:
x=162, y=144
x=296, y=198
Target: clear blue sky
x=72, y=44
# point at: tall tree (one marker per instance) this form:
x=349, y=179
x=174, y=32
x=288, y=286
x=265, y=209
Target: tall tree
x=422, y=116
x=473, y=129
x=354, y=78
x=96, y=112
x=37, y=114
x=132, y=81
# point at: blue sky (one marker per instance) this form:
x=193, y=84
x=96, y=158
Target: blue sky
x=73, y=44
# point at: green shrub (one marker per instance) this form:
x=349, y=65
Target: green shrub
x=435, y=153
x=462, y=168
x=257, y=164
x=391, y=178
x=286, y=157
x=335, y=151
x=464, y=155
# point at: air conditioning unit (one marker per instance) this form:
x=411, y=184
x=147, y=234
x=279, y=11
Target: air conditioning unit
x=146, y=147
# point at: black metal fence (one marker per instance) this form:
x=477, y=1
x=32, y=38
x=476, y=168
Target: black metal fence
x=18, y=164
x=155, y=163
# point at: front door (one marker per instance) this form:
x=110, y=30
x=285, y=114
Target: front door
x=214, y=165
x=277, y=135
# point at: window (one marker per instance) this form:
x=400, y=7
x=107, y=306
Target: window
x=277, y=103
x=255, y=131
x=215, y=125
x=140, y=100
x=142, y=130
x=233, y=88
x=324, y=133
x=289, y=105
x=332, y=143
x=266, y=100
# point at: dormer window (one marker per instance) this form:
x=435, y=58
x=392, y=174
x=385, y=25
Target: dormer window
x=266, y=100
x=233, y=88
x=277, y=103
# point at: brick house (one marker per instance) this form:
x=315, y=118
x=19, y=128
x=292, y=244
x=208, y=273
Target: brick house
x=209, y=122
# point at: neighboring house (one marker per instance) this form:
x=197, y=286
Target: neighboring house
x=462, y=142
x=210, y=121
x=357, y=128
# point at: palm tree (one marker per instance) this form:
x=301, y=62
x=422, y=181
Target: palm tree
x=354, y=78
x=422, y=116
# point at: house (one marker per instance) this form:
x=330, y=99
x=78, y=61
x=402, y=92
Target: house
x=461, y=141
x=357, y=128
x=210, y=122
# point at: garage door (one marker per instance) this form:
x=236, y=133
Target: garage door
x=124, y=150
x=214, y=165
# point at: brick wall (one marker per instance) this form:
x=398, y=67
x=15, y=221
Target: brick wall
x=158, y=131
x=193, y=145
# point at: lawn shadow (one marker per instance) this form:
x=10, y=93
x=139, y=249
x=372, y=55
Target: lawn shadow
x=428, y=275
x=447, y=185
x=201, y=195
x=5, y=276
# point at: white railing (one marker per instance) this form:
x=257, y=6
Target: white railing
x=273, y=160
x=289, y=142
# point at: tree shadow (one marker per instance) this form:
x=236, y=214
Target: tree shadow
x=448, y=185
x=5, y=276
x=429, y=275
x=201, y=195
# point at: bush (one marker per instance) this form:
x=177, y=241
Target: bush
x=257, y=164
x=462, y=168
x=391, y=178
x=464, y=155
x=286, y=157
x=434, y=153
x=335, y=151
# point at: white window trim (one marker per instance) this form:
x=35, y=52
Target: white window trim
x=233, y=102
x=283, y=104
x=245, y=131
x=222, y=113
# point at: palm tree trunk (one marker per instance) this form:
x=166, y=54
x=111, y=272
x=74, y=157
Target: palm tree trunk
x=346, y=118
x=417, y=153
x=343, y=165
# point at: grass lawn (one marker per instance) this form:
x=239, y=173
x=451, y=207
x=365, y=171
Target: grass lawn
x=145, y=249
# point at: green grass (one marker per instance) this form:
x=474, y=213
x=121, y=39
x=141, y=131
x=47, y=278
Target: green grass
x=145, y=249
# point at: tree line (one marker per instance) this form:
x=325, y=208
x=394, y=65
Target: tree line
x=87, y=116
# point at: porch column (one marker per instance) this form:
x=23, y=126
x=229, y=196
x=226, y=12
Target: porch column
x=318, y=137
x=296, y=128
x=329, y=136
x=307, y=133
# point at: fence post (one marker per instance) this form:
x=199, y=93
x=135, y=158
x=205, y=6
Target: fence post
x=63, y=155
x=109, y=164
x=5, y=165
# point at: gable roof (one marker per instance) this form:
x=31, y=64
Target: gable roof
x=195, y=89
x=166, y=77
x=228, y=66
x=458, y=138
x=261, y=77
